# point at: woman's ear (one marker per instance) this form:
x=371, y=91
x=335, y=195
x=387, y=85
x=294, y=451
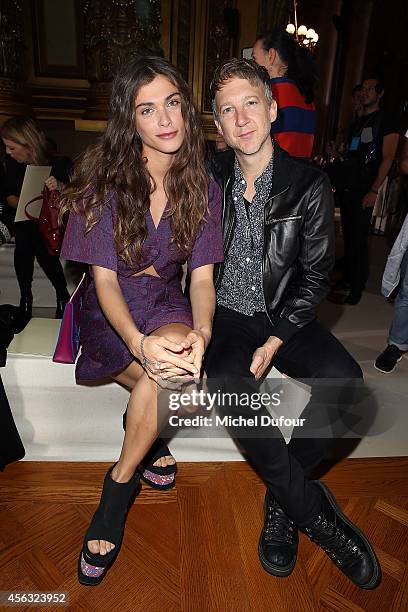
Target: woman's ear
x=271, y=56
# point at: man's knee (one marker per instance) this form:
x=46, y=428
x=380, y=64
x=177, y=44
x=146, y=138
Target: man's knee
x=341, y=366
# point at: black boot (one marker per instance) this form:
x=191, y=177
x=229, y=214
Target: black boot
x=278, y=542
x=59, y=311
x=26, y=309
x=26, y=305
x=62, y=299
x=108, y=523
x=343, y=542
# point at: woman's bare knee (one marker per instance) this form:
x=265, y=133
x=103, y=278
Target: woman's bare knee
x=175, y=332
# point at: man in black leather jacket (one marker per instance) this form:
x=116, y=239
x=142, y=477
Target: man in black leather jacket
x=279, y=249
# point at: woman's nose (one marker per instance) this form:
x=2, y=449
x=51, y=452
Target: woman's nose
x=164, y=118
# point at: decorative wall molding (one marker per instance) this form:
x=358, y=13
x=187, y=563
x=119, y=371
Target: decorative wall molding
x=12, y=90
x=114, y=30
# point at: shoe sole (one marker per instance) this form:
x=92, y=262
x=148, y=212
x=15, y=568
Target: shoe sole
x=271, y=568
x=88, y=580
x=153, y=485
x=387, y=371
x=377, y=569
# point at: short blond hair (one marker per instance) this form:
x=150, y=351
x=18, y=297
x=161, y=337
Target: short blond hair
x=26, y=132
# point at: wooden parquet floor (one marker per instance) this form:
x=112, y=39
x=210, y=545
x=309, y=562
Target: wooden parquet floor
x=195, y=548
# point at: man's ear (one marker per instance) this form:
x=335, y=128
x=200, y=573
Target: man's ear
x=218, y=126
x=273, y=111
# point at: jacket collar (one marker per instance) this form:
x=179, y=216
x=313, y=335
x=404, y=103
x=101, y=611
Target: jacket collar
x=223, y=167
x=281, y=171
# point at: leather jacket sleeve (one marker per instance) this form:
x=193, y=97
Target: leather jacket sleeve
x=315, y=261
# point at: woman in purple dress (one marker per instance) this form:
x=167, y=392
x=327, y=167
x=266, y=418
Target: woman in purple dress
x=141, y=205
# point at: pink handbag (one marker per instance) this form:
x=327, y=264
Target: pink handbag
x=68, y=342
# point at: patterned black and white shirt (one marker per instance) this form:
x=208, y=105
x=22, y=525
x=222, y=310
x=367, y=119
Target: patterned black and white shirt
x=241, y=286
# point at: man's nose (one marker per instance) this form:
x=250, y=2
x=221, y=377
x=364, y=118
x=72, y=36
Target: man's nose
x=241, y=117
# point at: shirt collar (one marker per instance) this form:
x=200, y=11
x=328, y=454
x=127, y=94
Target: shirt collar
x=264, y=180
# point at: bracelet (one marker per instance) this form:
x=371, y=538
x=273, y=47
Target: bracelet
x=145, y=360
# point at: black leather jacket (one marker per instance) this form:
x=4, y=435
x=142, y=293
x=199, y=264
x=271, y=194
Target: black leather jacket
x=298, y=252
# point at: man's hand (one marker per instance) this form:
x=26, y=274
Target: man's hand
x=369, y=199
x=196, y=341
x=263, y=356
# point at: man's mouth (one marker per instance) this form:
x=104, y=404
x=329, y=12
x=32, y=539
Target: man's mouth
x=246, y=135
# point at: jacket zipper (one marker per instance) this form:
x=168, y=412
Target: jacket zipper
x=282, y=219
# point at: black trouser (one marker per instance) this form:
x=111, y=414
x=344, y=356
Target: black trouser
x=312, y=353
x=29, y=245
x=355, y=222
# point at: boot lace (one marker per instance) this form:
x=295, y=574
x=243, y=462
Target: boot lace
x=341, y=549
x=278, y=527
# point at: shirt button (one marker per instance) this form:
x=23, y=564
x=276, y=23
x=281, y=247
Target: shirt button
x=243, y=182
x=235, y=198
x=253, y=288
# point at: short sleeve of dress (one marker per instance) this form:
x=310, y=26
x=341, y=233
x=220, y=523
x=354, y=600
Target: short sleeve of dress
x=208, y=247
x=96, y=247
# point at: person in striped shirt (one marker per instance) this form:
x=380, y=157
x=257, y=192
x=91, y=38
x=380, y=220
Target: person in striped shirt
x=293, y=75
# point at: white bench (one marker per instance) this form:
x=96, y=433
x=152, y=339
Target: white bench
x=59, y=420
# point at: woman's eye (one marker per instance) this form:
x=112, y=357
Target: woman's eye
x=147, y=111
x=174, y=102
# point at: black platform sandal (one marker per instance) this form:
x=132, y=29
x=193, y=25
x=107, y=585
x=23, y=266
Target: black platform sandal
x=157, y=477
x=108, y=524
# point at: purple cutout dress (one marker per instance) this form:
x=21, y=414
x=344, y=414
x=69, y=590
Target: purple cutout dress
x=153, y=301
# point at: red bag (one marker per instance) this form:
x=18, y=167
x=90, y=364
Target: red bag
x=68, y=342
x=51, y=232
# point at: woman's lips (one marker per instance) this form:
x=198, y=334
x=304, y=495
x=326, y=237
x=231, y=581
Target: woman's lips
x=167, y=135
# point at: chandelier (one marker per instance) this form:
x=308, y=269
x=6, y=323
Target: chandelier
x=307, y=37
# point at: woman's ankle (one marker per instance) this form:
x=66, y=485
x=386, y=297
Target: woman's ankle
x=121, y=474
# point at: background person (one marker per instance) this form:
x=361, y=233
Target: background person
x=372, y=145
x=293, y=74
x=396, y=273
x=26, y=144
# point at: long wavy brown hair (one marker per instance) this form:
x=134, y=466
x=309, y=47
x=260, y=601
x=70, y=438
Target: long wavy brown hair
x=115, y=166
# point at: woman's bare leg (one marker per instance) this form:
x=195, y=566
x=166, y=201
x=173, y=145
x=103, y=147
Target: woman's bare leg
x=128, y=378
x=141, y=424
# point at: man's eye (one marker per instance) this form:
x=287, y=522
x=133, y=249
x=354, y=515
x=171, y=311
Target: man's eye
x=252, y=102
x=226, y=110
